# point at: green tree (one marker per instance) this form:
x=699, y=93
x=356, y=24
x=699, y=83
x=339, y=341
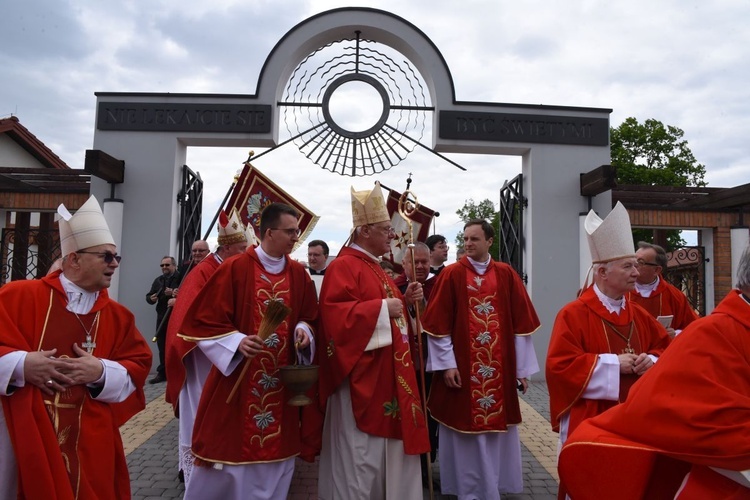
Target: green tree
x=654, y=154
x=485, y=209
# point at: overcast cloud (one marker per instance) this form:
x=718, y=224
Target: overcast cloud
x=685, y=63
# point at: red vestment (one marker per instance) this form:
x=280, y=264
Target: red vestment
x=579, y=335
x=383, y=384
x=84, y=440
x=257, y=425
x=178, y=348
x=666, y=300
x=482, y=314
x=691, y=409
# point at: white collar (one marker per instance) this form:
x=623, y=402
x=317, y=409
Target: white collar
x=480, y=267
x=647, y=289
x=271, y=264
x=372, y=256
x=612, y=305
x=80, y=301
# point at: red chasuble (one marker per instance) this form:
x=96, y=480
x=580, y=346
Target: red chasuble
x=68, y=445
x=257, y=425
x=178, y=348
x=482, y=314
x=584, y=329
x=383, y=382
x=690, y=410
x=666, y=300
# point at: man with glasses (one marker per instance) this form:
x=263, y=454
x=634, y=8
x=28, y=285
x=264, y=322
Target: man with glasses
x=601, y=343
x=246, y=444
x=375, y=427
x=162, y=289
x=438, y=252
x=198, y=252
x=688, y=416
x=72, y=369
x=663, y=300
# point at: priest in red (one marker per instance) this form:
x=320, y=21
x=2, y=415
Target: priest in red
x=601, y=343
x=479, y=322
x=375, y=427
x=72, y=369
x=187, y=367
x=247, y=446
x=655, y=294
x=688, y=415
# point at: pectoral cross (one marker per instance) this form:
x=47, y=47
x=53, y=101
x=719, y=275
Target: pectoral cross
x=89, y=345
x=628, y=350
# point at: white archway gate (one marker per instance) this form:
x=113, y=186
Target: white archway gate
x=151, y=133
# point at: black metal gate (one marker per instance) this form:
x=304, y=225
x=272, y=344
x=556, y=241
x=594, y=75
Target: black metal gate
x=190, y=199
x=27, y=253
x=512, y=204
x=687, y=271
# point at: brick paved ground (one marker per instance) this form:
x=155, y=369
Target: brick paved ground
x=150, y=441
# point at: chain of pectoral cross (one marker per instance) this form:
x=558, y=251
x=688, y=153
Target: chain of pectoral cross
x=628, y=349
x=90, y=343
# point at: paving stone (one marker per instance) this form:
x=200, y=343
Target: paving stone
x=153, y=462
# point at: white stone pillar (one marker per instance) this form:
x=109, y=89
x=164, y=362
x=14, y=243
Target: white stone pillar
x=584, y=254
x=113, y=210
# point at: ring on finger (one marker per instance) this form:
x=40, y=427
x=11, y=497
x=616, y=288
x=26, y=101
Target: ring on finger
x=49, y=382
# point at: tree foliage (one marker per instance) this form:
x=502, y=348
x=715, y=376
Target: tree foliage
x=485, y=209
x=654, y=154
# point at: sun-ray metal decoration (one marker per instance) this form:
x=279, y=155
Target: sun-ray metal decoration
x=404, y=107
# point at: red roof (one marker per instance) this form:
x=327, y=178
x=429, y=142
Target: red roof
x=28, y=141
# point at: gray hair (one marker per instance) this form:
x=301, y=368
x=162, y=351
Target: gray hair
x=743, y=271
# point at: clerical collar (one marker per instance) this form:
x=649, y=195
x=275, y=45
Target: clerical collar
x=647, y=289
x=273, y=265
x=218, y=258
x=373, y=257
x=612, y=305
x=80, y=301
x=745, y=298
x=480, y=267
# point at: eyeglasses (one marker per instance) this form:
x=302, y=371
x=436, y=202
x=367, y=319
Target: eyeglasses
x=107, y=256
x=291, y=232
x=389, y=229
x=640, y=263
x=199, y=250
x=160, y=265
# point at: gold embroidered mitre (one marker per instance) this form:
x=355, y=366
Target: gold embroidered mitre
x=368, y=207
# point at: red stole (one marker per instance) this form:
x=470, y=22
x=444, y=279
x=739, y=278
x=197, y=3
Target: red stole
x=383, y=383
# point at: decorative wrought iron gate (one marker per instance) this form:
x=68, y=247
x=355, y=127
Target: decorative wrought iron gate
x=687, y=271
x=190, y=199
x=27, y=253
x=512, y=204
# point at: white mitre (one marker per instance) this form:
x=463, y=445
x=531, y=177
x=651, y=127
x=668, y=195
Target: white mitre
x=368, y=206
x=84, y=229
x=609, y=239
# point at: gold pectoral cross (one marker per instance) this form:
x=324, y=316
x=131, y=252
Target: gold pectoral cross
x=628, y=350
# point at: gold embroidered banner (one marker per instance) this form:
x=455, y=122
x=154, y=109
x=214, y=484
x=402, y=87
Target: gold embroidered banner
x=254, y=191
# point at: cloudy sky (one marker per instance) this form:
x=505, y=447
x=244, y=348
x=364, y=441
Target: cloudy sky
x=685, y=63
